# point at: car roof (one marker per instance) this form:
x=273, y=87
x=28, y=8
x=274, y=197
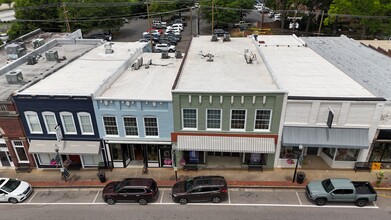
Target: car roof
x=138, y=182
x=209, y=180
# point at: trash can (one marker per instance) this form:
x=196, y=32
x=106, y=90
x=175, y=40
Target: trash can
x=102, y=176
x=300, y=177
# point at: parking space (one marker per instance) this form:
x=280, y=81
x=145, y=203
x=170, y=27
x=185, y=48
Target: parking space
x=236, y=196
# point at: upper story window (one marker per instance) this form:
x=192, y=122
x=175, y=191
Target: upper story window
x=213, y=118
x=50, y=122
x=151, y=126
x=262, y=119
x=110, y=124
x=238, y=119
x=130, y=124
x=68, y=123
x=85, y=123
x=33, y=122
x=189, y=118
x=20, y=151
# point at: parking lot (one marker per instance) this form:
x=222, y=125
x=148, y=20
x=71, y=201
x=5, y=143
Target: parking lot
x=236, y=197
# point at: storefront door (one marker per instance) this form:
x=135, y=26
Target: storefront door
x=312, y=151
x=4, y=159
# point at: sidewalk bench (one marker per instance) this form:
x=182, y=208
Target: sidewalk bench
x=103, y=166
x=255, y=167
x=23, y=168
x=363, y=166
x=190, y=166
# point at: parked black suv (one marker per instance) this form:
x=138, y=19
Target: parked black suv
x=139, y=190
x=200, y=189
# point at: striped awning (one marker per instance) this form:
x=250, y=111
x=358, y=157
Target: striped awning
x=226, y=144
x=355, y=138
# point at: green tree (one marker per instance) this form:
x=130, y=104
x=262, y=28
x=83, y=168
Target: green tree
x=30, y=15
x=368, y=13
x=225, y=11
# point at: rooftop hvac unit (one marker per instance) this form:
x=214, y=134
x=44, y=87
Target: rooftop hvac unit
x=214, y=37
x=108, y=48
x=31, y=60
x=14, y=77
x=165, y=55
x=51, y=55
x=15, y=50
x=38, y=42
x=140, y=60
x=178, y=54
x=136, y=65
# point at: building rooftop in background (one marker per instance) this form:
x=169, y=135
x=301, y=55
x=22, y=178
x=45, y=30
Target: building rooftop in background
x=366, y=66
x=222, y=66
x=303, y=72
x=384, y=45
x=151, y=81
x=89, y=74
x=30, y=74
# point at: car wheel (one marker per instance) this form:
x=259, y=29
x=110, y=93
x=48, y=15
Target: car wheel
x=320, y=202
x=170, y=50
x=183, y=201
x=216, y=199
x=142, y=202
x=361, y=202
x=13, y=200
x=110, y=201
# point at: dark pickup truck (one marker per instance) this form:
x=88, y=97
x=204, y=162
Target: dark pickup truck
x=341, y=190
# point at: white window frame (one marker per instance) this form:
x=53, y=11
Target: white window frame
x=157, y=126
x=79, y=114
x=138, y=132
x=183, y=119
x=62, y=114
x=270, y=119
x=44, y=114
x=15, y=145
x=206, y=119
x=116, y=125
x=245, y=120
x=31, y=113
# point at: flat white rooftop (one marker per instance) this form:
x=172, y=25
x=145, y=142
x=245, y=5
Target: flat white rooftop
x=303, y=72
x=152, y=83
x=84, y=76
x=228, y=72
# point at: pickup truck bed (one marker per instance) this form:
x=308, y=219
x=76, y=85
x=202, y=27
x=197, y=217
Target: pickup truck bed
x=363, y=188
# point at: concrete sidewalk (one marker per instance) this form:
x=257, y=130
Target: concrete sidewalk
x=165, y=177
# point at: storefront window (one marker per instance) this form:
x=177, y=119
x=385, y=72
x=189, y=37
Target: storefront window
x=193, y=156
x=329, y=152
x=345, y=154
x=381, y=152
x=289, y=152
x=46, y=159
x=152, y=153
x=91, y=160
x=116, y=151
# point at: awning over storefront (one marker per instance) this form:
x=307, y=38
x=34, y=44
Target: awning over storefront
x=226, y=144
x=64, y=147
x=355, y=138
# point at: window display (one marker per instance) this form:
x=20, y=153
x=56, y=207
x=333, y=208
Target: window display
x=345, y=154
x=289, y=152
x=330, y=152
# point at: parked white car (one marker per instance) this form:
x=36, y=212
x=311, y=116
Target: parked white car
x=13, y=190
x=164, y=48
x=277, y=17
x=177, y=26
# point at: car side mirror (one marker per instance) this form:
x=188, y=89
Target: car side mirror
x=332, y=194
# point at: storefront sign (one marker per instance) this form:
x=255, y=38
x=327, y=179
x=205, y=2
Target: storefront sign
x=376, y=166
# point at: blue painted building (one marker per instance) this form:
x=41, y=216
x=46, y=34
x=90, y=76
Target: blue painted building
x=135, y=117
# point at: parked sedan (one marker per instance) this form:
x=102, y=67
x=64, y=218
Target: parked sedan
x=141, y=190
x=200, y=189
x=13, y=190
x=164, y=48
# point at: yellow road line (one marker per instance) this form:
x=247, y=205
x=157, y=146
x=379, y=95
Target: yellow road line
x=384, y=195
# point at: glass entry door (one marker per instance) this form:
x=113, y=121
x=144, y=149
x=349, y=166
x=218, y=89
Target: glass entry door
x=4, y=159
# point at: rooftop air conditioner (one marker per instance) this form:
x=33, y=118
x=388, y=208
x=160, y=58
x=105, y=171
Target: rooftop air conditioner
x=178, y=54
x=31, y=60
x=165, y=55
x=38, y=42
x=14, y=77
x=51, y=55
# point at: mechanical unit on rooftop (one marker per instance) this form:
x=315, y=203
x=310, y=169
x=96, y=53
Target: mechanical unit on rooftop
x=14, y=77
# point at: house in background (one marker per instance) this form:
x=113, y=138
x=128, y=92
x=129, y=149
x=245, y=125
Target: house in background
x=134, y=115
x=64, y=100
x=227, y=105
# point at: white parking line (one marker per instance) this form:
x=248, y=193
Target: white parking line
x=229, y=197
x=297, y=194
x=32, y=197
x=97, y=193
x=161, y=199
x=375, y=204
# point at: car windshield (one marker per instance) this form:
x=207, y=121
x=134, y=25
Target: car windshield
x=119, y=186
x=327, y=185
x=188, y=185
x=11, y=185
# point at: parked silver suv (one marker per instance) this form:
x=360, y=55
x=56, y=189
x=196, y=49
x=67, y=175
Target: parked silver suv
x=164, y=48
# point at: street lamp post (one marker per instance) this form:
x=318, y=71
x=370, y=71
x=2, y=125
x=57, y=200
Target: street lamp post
x=297, y=162
x=64, y=172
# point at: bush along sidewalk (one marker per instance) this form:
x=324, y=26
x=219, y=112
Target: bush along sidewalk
x=379, y=177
